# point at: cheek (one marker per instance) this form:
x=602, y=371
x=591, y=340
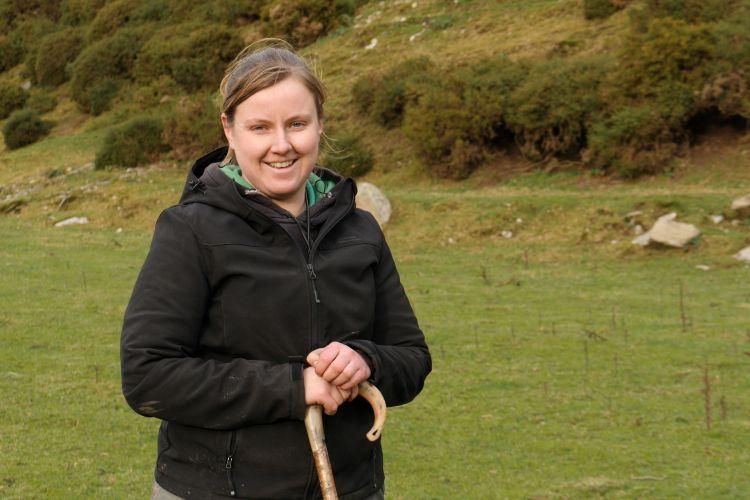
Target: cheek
x=307, y=142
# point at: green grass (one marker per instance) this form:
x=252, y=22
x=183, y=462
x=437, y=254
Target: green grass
x=561, y=365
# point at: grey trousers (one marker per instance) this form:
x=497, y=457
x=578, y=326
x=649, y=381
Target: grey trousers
x=159, y=493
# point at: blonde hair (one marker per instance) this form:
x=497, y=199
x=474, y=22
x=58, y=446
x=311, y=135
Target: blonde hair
x=261, y=65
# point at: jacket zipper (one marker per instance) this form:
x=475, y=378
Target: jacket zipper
x=230, y=459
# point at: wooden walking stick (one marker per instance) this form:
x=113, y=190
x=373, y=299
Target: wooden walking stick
x=314, y=425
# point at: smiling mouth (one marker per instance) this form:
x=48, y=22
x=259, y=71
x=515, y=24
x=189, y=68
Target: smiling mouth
x=279, y=165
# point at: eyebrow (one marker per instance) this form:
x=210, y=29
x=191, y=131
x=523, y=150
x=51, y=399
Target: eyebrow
x=305, y=116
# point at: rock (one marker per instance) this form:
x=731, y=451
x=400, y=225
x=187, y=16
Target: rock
x=370, y=198
x=669, y=232
x=743, y=255
x=703, y=267
x=26, y=85
x=741, y=206
x=372, y=44
x=638, y=230
x=71, y=221
x=506, y=234
x=716, y=219
x=642, y=240
x=633, y=214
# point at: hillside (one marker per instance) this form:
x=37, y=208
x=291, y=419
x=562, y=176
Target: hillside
x=54, y=177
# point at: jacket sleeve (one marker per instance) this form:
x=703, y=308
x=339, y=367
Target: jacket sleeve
x=162, y=376
x=398, y=352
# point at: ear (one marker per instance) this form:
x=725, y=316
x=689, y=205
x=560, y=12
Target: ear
x=228, y=130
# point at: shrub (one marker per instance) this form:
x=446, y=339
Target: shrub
x=79, y=12
x=350, y=158
x=12, y=97
x=691, y=11
x=24, y=127
x=384, y=97
x=194, y=55
x=668, y=51
x=10, y=53
x=54, y=53
x=155, y=92
x=136, y=142
x=634, y=141
x=221, y=11
x=41, y=102
x=26, y=36
x=109, y=18
x=194, y=127
x=600, y=9
x=104, y=63
x=101, y=94
x=304, y=21
x=454, y=121
x=550, y=111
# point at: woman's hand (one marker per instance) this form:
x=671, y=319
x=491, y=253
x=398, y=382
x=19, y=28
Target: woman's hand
x=340, y=365
x=320, y=392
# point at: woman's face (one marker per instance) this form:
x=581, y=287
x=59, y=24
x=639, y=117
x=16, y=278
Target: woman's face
x=275, y=136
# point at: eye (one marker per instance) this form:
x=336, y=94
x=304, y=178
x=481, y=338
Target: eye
x=257, y=128
x=298, y=124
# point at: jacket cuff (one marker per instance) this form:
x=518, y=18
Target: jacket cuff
x=368, y=350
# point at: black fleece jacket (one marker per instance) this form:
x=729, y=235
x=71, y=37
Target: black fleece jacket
x=229, y=302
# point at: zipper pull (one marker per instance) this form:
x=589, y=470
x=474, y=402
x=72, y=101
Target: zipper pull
x=313, y=277
x=229, y=462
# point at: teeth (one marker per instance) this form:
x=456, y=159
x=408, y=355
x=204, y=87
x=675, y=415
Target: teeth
x=280, y=164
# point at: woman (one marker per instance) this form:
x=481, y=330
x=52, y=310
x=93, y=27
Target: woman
x=266, y=290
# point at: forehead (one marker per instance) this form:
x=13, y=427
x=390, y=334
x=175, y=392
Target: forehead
x=288, y=97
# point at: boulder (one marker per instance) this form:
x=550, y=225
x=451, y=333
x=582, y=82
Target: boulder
x=741, y=206
x=743, y=255
x=669, y=232
x=370, y=198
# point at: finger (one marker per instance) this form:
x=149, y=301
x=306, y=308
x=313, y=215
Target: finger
x=359, y=376
x=338, y=365
x=312, y=358
x=343, y=379
x=326, y=357
x=354, y=393
x=330, y=407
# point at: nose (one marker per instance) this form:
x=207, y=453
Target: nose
x=281, y=144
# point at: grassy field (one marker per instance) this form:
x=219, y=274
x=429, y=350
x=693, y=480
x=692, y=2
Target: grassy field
x=565, y=365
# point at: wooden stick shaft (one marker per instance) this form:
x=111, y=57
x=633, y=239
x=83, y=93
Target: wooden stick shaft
x=316, y=436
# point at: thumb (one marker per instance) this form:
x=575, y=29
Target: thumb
x=312, y=358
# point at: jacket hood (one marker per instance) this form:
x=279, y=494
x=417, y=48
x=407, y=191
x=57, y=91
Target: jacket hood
x=207, y=184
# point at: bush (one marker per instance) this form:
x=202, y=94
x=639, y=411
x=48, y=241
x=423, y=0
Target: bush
x=668, y=51
x=79, y=12
x=194, y=55
x=97, y=69
x=12, y=97
x=194, y=127
x=54, y=53
x=41, y=102
x=109, y=18
x=550, y=111
x=221, y=11
x=304, y=21
x=384, y=97
x=691, y=11
x=454, y=121
x=634, y=141
x=26, y=36
x=101, y=94
x=350, y=158
x=600, y=9
x=10, y=53
x=136, y=142
x=24, y=127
